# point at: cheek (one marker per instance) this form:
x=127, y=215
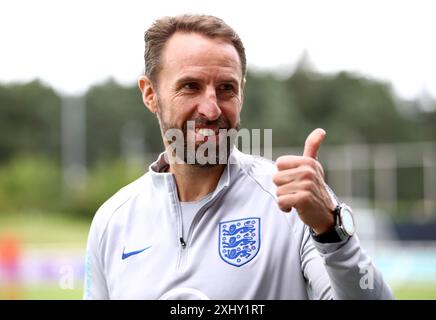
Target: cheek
x=231, y=113
x=177, y=111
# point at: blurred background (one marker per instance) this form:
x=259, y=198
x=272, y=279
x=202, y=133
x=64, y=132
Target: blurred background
x=73, y=129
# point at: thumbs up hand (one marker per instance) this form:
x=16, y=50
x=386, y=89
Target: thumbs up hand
x=300, y=184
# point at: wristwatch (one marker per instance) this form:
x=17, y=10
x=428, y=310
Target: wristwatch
x=344, y=226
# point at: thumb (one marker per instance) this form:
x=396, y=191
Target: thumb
x=313, y=142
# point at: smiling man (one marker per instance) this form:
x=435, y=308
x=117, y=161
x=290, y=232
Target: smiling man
x=235, y=226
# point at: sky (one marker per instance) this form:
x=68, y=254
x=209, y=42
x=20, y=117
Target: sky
x=71, y=45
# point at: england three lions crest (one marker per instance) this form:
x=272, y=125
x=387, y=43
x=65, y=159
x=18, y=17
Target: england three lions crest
x=239, y=240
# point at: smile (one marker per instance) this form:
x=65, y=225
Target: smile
x=206, y=132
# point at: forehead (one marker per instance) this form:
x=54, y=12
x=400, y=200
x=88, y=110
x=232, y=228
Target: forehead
x=186, y=52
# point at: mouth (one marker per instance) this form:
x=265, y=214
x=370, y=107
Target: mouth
x=207, y=133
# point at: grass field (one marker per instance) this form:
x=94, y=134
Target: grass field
x=414, y=291
x=44, y=292
x=53, y=292
x=36, y=228
x=41, y=231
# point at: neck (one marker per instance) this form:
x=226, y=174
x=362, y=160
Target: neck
x=194, y=182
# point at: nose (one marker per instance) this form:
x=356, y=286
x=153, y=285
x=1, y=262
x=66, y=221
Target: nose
x=208, y=106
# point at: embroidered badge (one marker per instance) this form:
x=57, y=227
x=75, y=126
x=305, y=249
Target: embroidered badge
x=239, y=240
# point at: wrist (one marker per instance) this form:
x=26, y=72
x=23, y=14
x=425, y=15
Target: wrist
x=343, y=227
x=328, y=226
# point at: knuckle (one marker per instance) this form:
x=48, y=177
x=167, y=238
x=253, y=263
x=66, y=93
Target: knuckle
x=281, y=204
x=279, y=191
x=310, y=161
x=306, y=196
x=277, y=178
x=309, y=173
x=318, y=167
x=285, y=162
x=281, y=161
x=308, y=185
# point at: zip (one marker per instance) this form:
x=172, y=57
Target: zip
x=181, y=242
x=200, y=213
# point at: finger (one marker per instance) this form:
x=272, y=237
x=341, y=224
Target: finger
x=291, y=162
x=295, y=187
x=283, y=177
x=313, y=143
x=287, y=202
x=295, y=174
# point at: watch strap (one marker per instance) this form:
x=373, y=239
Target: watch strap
x=330, y=236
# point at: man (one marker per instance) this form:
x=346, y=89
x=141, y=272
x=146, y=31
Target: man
x=243, y=229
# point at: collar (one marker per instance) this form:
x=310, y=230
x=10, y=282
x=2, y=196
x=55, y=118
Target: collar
x=161, y=179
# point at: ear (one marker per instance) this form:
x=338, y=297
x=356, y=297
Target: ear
x=242, y=91
x=149, y=94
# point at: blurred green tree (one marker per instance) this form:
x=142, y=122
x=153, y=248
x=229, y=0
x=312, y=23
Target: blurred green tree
x=29, y=120
x=110, y=107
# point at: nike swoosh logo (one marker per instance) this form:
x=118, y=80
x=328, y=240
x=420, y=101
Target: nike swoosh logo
x=132, y=253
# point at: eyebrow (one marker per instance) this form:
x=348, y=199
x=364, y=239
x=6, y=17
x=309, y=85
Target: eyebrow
x=187, y=79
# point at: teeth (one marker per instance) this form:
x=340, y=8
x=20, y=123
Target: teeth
x=206, y=132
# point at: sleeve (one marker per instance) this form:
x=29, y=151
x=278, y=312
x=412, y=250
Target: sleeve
x=95, y=287
x=341, y=270
x=314, y=271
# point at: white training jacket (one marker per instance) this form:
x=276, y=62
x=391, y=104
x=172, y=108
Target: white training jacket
x=240, y=245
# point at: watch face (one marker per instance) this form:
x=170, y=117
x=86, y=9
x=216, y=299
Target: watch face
x=347, y=220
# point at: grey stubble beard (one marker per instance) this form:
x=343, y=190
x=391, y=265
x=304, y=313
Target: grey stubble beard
x=180, y=142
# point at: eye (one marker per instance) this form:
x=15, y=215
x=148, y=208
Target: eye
x=226, y=87
x=191, y=86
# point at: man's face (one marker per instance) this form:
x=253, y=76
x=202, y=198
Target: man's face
x=200, y=80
